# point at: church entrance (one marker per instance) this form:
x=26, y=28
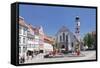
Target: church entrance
x=63, y=48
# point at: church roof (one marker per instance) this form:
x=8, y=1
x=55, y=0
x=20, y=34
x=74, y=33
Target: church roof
x=63, y=29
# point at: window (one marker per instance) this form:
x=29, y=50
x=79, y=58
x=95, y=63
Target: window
x=60, y=38
x=23, y=40
x=19, y=29
x=33, y=46
x=41, y=51
x=24, y=31
x=66, y=38
x=19, y=49
x=19, y=39
x=24, y=49
x=72, y=44
x=63, y=37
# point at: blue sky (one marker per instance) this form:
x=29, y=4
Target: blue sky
x=53, y=18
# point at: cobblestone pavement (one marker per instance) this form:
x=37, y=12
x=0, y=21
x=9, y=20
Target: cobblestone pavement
x=85, y=55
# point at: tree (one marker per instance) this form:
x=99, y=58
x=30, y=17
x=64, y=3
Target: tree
x=88, y=40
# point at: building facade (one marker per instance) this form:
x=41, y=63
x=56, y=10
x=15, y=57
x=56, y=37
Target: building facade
x=65, y=39
x=37, y=40
x=22, y=36
x=32, y=40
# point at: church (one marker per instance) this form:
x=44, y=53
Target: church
x=65, y=40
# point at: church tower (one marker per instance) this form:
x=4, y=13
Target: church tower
x=77, y=33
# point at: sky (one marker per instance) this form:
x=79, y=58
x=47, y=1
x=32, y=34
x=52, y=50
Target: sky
x=52, y=18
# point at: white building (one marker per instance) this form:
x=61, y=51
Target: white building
x=22, y=36
x=34, y=38
x=30, y=37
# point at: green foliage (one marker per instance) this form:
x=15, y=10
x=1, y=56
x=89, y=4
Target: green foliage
x=88, y=40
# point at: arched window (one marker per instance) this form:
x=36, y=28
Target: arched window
x=66, y=38
x=63, y=37
x=60, y=38
x=72, y=44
